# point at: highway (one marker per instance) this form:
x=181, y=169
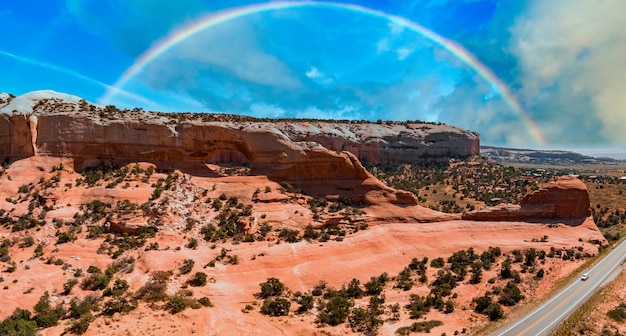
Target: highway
x=553, y=312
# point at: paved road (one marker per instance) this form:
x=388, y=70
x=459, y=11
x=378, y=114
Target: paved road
x=553, y=312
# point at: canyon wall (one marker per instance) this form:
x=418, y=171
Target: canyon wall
x=297, y=151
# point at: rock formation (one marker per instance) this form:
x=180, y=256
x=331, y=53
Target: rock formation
x=565, y=198
x=299, y=152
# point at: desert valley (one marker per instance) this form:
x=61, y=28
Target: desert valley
x=125, y=222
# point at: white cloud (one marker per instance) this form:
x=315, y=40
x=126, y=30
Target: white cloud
x=382, y=45
x=314, y=73
x=233, y=48
x=395, y=28
x=403, y=53
x=575, y=51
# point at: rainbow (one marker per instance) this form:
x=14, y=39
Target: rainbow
x=220, y=17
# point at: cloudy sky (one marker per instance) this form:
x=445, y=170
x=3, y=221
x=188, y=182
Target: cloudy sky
x=546, y=74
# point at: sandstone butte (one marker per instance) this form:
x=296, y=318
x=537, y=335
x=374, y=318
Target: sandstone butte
x=40, y=130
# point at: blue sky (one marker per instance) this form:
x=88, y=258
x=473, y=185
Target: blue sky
x=562, y=60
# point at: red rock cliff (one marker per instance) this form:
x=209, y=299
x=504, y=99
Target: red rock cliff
x=565, y=198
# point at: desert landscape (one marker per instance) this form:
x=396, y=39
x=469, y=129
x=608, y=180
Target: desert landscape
x=129, y=222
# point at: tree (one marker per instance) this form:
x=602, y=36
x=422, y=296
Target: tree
x=198, y=280
x=510, y=295
x=276, y=307
x=482, y=303
x=46, y=316
x=335, y=311
x=531, y=255
x=272, y=287
x=494, y=311
x=477, y=272
x=354, y=289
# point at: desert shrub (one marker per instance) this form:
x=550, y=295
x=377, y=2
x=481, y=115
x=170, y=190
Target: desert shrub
x=490, y=256
x=510, y=295
x=444, y=283
x=68, y=285
x=482, y=303
x=505, y=271
x=366, y=320
x=85, y=306
x=177, y=303
x=530, y=257
x=205, y=301
x=119, y=304
x=618, y=314
x=310, y=233
x=290, y=236
x=192, y=244
x=95, y=281
x=335, y=311
x=46, y=316
x=354, y=289
x=198, y=279
x=118, y=288
x=418, y=306
x=540, y=273
x=272, y=287
x=27, y=242
x=419, y=327
x=306, y=303
x=81, y=325
x=376, y=284
x=208, y=231
x=187, y=266
x=404, y=279
x=19, y=323
x=38, y=251
x=318, y=290
x=154, y=289
x=437, y=263
x=494, y=311
x=276, y=307
x=477, y=272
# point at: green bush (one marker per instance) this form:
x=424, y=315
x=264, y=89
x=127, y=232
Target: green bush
x=419, y=327
x=187, y=266
x=306, y=303
x=119, y=304
x=177, y=303
x=199, y=279
x=81, y=325
x=494, y=311
x=290, y=236
x=46, y=316
x=510, y=295
x=276, y=307
x=618, y=314
x=366, y=320
x=354, y=289
x=376, y=284
x=437, y=263
x=335, y=311
x=418, y=306
x=272, y=287
x=19, y=323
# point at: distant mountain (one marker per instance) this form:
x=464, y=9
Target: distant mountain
x=532, y=156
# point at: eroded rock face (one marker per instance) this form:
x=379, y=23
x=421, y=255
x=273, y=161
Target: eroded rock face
x=565, y=198
x=300, y=152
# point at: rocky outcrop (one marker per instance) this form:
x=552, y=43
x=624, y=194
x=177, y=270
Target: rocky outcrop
x=300, y=152
x=565, y=198
x=388, y=143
